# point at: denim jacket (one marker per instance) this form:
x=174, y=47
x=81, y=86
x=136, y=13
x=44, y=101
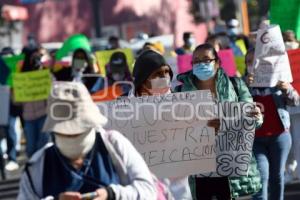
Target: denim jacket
x=281, y=99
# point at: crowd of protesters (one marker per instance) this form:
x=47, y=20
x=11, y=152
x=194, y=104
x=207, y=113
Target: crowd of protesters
x=76, y=158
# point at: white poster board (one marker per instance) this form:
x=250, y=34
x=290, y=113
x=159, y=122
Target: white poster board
x=234, y=141
x=167, y=131
x=271, y=62
x=4, y=104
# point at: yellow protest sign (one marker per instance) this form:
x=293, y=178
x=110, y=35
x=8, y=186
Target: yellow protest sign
x=241, y=44
x=31, y=86
x=103, y=58
x=240, y=64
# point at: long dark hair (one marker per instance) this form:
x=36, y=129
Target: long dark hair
x=29, y=64
x=88, y=58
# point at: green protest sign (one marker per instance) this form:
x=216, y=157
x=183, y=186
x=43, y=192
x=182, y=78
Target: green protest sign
x=14, y=65
x=286, y=14
x=31, y=86
x=103, y=58
x=240, y=64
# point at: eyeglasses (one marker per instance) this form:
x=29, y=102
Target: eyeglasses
x=207, y=61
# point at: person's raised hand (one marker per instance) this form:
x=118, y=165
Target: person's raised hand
x=283, y=86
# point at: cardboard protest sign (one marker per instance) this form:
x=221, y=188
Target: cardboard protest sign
x=14, y=63
x=103, y=58
x=294, y=58
x=269, y=42
x=286, y=14
x=4, y=104
x=271, y=60
x=241, y=44
x=240, y=64
x=167, y=131
x=227, y=61
x=234, y=141
x=184, y=63
x=31, y=86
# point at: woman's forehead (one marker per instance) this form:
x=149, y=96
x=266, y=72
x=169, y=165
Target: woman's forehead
x=202, y=53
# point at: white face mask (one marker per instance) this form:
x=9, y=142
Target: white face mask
x=79, y=65
x=74, y=147
x=291, y=45
x=160, y=86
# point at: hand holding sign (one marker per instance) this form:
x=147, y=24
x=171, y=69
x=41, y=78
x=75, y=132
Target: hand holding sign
x=283, y=86
x=214, y=123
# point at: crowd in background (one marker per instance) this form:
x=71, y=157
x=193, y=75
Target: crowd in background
x=153, y=75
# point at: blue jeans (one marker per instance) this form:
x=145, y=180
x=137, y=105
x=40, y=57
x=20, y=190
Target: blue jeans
x=271, y=155
x=35, y=138
x=11, y=138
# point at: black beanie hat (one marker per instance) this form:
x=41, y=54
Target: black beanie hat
x=148, y=62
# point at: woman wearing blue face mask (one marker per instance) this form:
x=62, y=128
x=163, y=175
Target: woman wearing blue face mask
x=207, y=75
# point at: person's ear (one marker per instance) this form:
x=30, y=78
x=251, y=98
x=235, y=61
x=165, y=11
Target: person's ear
x=217, y=64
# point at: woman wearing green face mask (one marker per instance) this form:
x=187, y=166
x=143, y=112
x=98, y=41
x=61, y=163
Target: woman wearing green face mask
x=206, y=74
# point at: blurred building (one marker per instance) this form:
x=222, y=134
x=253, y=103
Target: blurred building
x=54, y=20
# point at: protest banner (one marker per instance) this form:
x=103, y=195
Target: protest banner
x=286, y=14
x=234, y=141
x=4, y=104
x=294, y=58
x=14, y=63
x=103, y=58
x=32, y=86
x=240, y=64
x=184, y=63
x=227, y=61
x=271, y=63
x=166, y=131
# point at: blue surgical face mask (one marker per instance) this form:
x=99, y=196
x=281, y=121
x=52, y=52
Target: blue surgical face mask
x=233, y=31
x=203, y=71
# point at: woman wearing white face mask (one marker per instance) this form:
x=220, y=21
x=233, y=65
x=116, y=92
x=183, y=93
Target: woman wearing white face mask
x=85, y=160
x=152, y=76
x=117, y=72
x=84, y=70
